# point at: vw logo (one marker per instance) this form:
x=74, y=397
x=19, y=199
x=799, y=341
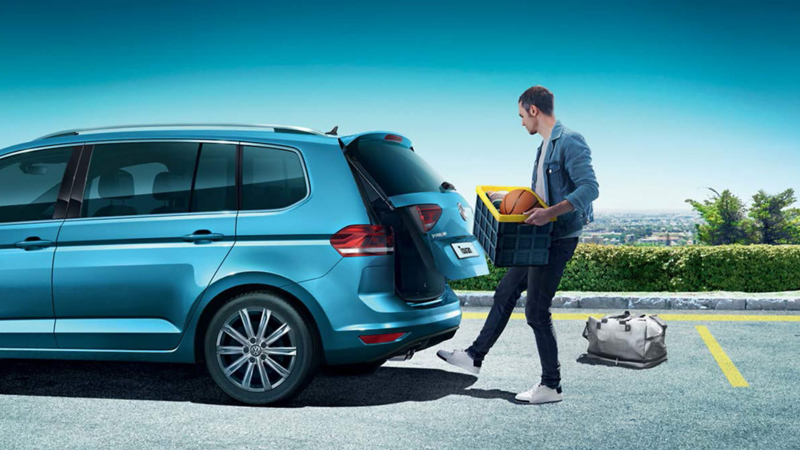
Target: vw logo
x=462, y=211
x=255, y=350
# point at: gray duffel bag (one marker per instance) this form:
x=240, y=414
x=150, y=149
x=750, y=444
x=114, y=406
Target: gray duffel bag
x=625, y=340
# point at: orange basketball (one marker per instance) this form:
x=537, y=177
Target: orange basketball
x=517, y=202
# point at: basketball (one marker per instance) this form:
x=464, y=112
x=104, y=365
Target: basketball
x=517, y=202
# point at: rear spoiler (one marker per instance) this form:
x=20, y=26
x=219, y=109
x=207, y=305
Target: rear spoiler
x=344, y=141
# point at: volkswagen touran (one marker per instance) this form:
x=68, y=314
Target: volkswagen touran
x=264, y=252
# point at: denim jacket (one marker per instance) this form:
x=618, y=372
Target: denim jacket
x=570, y=176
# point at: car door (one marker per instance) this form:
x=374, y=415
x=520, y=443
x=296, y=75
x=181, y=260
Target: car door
x=148, y=225
x=441, y=218
x=31, y=183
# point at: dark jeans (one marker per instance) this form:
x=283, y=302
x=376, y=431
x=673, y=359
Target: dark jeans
x=541, y=283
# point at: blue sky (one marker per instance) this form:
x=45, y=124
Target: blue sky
x=671, y=97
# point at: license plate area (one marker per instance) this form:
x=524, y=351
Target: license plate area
x=465, y=250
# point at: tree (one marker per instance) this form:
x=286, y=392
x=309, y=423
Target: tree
x=775, y=222
x=726, y=220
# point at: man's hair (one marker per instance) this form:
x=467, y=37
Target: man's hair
x=538, y=96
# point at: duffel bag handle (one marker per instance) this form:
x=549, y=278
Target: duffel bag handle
x=620, y=316
x=626, y=314
x=659, y=321
x=630, y=318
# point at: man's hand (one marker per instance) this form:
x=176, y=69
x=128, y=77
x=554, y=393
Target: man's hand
x=538, y=216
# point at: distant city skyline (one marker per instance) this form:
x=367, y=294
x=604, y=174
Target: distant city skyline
x=688, y=210
x=670, y=101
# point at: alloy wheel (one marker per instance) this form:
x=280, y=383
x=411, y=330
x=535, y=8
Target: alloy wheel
x=256, y=349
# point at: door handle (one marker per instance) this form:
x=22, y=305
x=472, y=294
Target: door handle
x=33, y=243
x=203, y=235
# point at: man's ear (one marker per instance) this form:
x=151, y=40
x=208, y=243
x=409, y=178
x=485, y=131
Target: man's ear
x=533, y=110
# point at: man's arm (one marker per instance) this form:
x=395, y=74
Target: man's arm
x=578, y=165
x=541, y=216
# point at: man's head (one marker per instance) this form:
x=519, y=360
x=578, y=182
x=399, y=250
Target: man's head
x=535, y=104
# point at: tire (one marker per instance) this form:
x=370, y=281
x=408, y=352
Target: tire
x=355, y=369
x=241, y=375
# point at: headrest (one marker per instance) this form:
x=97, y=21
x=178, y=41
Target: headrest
x=166, y=185
x=117, y=185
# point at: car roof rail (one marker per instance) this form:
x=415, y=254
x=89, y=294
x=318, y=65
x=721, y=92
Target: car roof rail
x=273, y=128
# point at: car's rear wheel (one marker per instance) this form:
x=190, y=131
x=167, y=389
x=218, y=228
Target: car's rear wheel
x=260, y=350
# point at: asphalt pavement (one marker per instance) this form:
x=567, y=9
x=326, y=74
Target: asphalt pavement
x=687, y=402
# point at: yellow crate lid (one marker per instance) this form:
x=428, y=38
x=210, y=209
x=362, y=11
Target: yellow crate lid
x=481, y=190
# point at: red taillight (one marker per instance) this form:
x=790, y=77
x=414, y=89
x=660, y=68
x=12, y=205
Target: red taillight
x=394, y=137
x=380, y=338
x=429, y=215
x=363, y=240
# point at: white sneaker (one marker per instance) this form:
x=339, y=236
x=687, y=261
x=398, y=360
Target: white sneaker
x=539, y=394
x=460, y=359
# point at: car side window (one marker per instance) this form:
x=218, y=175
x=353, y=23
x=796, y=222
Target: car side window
x=271, y=178
x=29, y=184
x=131, y=179
x=215, y=181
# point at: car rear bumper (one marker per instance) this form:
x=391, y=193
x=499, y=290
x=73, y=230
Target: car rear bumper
x=357, y=298
x=353, y=350
x=419, y=344
x=422, y=329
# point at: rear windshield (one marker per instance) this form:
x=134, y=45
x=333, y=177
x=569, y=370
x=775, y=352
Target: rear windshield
x=396, y=168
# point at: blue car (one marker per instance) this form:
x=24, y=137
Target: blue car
x=265, y=252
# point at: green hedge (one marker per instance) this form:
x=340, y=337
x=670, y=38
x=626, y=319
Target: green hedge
x=601, y=268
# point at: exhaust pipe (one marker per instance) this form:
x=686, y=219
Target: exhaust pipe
x=403, y=357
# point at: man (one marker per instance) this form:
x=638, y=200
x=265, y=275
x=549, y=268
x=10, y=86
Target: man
x=564, y=178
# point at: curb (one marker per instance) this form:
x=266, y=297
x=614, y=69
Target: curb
x=677, y=301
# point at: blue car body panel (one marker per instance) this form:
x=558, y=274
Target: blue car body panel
x=131, y=288
x=26, y=300
x=359, y=299
x=134, y=268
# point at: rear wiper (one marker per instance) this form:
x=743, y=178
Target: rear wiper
x=447, y=187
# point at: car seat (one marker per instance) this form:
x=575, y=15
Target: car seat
x=113, y=186
x=166, y=188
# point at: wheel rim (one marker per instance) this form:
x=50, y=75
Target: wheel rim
x=256, y=349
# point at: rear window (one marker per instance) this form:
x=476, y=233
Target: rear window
x=396, y=168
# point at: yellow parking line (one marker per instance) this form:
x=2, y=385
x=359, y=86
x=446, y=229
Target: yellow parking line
x=666, y=317
x=728, y=368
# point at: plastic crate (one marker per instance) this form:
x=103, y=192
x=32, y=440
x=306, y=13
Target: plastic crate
x=505, y=238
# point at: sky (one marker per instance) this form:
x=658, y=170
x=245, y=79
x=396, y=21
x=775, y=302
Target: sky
x=672, y=97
